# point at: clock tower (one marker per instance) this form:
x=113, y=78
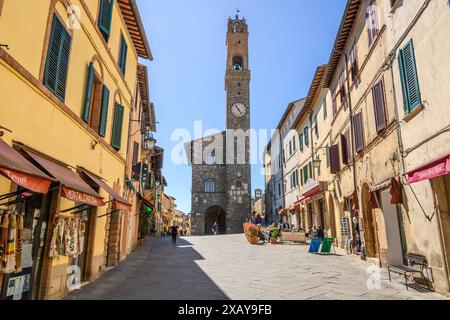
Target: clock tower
x=237, y=86
x=237, y=77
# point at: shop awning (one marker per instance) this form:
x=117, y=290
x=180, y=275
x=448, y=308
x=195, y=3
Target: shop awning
x=21, y=171
x=120, y=202
x=433, y=169
x=73, y=187
x=141, y=197
x=394, y=190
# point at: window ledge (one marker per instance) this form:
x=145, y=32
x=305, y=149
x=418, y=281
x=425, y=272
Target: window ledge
x=414, y=113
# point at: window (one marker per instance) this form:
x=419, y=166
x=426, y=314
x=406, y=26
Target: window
x=300, y=137
x=342, y=91
x=358, y=129
x=104, y=18
x=294, y=144
x=123, y=55
x=379, y=106
x=57, y=63
x=238, y=64
x=328, y=155
x=135, y=153
x=279, y=189
x=334, y=102
x=290, y=148
x=345, y=148
x=372, y=21
x=235, y=27
x=316, y=128
x=354, y=62
x=324, y=106
x=210, y=186
x=116, y=140
x=408, y=75
x=306, y=136
x=211, y=158
x=334, y=159
x=96, y=100
x=239, y=184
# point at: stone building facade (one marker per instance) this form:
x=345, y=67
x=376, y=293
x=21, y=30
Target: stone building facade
x=221, y=172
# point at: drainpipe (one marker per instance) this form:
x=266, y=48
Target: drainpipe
x=312, y=145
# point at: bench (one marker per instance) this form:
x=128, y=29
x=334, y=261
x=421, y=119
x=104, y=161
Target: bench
x=293, y=236
x=413, y=260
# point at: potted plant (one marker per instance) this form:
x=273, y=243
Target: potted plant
x=251, y=233
x=274, y=235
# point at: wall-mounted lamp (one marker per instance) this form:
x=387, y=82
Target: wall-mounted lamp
x=94, y=143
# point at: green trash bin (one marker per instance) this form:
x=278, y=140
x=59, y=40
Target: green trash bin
x=326, y=245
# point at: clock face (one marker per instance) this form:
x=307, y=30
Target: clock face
x=238, y=110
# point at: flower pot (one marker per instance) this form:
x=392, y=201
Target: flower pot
x=274, y=240
x=252, y=239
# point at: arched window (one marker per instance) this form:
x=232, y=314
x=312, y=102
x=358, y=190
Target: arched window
x=238, y=64
x=235, y=27
x=210, y=186
x=210, y=158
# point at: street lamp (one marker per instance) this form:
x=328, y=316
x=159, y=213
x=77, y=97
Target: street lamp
x=150, y=142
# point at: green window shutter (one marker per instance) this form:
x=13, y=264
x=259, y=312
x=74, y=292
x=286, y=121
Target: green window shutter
x=301, y=141
x=104, y=112
x=123, y=54
x=57, y=61
x=117, y=126
x=88, y=93
x=408, y=74
x=310, y=169
x=105, y=17
x=306, y=136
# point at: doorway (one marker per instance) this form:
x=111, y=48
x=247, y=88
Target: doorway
x=215, y=214
x=369, y=224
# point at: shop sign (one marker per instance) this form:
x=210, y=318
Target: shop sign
x=77, y=196
x=27, y=181
x=122, y=206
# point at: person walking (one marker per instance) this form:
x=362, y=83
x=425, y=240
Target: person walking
x=215, y=228
x=174, y=231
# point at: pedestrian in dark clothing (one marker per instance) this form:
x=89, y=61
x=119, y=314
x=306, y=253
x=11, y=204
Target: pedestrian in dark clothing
x=320, y=233
x=174, y=232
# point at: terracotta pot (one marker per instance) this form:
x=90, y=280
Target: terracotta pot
x=252, y=240
x=274, y=240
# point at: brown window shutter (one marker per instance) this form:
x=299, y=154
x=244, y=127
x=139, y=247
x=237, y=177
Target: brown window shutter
x=359, y=138
x=344, y=148
x=334, y=159
x=349, y=148
x=379, y=106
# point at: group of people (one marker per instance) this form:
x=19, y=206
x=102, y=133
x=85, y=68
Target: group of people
x=315, y=232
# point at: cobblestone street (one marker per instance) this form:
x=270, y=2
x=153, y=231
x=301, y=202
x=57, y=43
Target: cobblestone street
x=227, y=267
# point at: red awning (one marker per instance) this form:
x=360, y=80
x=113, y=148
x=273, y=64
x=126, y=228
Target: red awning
x=74, y=188
x=433, y=169
x=20, y=171
x=120, y=202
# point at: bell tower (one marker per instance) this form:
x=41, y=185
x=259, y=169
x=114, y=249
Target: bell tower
x=237, y=86
x=237, y=77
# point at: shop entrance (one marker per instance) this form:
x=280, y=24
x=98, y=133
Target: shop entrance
x=369, y=223
x=441, y=190
x=85, y=227
x=215, y=214
x=24, y=283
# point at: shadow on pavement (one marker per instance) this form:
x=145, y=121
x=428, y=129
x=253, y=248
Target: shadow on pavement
x=157, y=270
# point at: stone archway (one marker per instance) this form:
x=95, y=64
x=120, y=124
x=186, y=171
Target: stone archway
x=215, y=214
x=369, y=223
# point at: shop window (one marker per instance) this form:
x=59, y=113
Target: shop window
x=105, y=17
x=57, y=62
x=96, y=100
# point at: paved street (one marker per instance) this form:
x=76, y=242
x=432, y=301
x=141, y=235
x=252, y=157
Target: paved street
x=227, y=267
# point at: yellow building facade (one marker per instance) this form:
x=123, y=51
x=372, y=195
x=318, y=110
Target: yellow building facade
x=57, y=55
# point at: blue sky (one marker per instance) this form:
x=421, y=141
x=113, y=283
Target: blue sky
x=288, y=40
